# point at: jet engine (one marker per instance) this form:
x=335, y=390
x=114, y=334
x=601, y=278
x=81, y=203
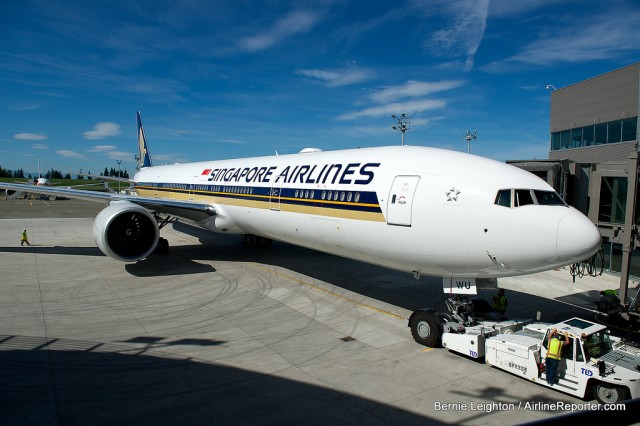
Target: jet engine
x=126, y=231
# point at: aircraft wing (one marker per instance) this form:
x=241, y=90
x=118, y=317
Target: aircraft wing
x=193, y=210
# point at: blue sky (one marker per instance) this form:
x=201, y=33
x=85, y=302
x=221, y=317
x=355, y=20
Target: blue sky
x=221, y=79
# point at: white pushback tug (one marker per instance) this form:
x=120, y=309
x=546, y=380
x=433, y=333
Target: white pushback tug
x=594, y=361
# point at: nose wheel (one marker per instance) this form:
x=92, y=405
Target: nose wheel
x=425, y=328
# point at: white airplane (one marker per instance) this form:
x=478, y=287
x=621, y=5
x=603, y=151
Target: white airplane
x=27, y=192
x=423, y=210
x=16, y=195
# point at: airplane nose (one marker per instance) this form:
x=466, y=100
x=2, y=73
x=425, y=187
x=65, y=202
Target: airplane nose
x=577, y=239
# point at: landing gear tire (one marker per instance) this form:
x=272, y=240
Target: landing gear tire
x=425, y=328
x=608, y=394
x=255, y=241
x=162, y=247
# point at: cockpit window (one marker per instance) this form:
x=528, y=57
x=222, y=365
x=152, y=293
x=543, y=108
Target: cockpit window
x=523, y=197
x=503, y=198
x=548, y=198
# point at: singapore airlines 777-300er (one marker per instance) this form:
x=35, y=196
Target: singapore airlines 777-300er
x=417, y=209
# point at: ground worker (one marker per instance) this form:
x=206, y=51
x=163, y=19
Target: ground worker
x=609, y=301
x=500, y=301
x=554, y=351
x=24, y=238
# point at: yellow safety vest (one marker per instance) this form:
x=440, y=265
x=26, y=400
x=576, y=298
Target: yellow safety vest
x=554, y=349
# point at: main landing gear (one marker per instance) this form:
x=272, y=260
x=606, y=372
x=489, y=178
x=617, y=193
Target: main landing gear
x=163, y=244
x=255, y=241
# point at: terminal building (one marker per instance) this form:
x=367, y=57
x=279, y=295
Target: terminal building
x=593, y=159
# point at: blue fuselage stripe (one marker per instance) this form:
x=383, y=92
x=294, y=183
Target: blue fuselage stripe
x=362, y=201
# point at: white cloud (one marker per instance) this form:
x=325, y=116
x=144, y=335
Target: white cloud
x=391, y=108
x=338, y=78
x=413, y=89
x=39, y=146
x=578, y=41
x=103, y=148
x=112, y=152
x=70, y=154
x=390, y=99
x=103, y=130
x=30, y=136
x=464, y=24
x=292, y=23
x=26, y=107
x=121, y=155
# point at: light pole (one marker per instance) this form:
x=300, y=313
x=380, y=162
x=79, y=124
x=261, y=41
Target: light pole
x=551, y=87
x=119, y=162
x=468, y=138
x=403, y=124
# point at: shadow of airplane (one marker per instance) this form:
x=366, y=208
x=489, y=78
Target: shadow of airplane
x=73, y=382
x=63, y=250
x=394, y=287
x=79, y=383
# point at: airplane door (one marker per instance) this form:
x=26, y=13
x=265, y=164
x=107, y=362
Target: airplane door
x=192, y=188
x=400, y=201
x=274, y=196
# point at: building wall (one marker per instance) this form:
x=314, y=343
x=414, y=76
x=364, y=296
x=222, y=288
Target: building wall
x=603, y=99
x=608, y=97
x=596, y=154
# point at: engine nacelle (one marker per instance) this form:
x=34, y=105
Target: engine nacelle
x=126, y=231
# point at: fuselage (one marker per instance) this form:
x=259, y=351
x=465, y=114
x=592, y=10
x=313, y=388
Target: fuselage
x=426, y=210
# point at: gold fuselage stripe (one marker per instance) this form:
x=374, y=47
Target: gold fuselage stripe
x=303, y=206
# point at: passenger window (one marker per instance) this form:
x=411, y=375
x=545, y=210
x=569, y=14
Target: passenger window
x=523, y=197
x=503, y=198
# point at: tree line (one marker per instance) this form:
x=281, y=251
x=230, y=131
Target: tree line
x=57, y=174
